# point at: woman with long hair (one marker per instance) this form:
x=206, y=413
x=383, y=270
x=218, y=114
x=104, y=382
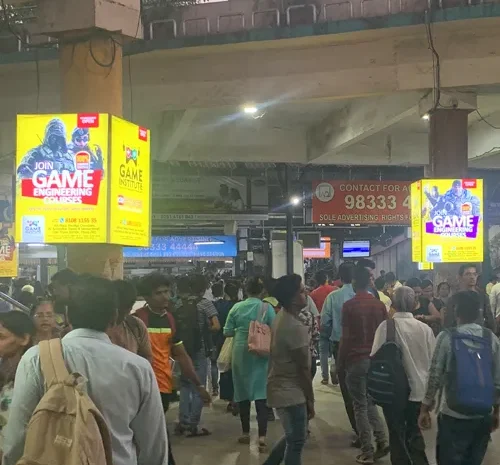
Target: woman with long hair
x=250, y=370
x=16, y=337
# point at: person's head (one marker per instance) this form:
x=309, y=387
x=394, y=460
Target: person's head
x=321, y=278
x=80, y=137
x=183, y=285
x=362, y=278
x=231, y=290
x=26, y=298
x=28, y=288
x=346, y=271
x=467, y=275
x=443, y=290
x=369, y=265
x=199, y=284
x=44, y=316
x=468, y=305
x=290, y=293
x=255, y=287
x=126, y=295
x=234, y=194
x=156, y=290
x=382, y=273
x=218, y=290
x=223, y=190
x=93, y=304
x=61, y=283
x=16, y=333
x=457, y=188
x=403, y=299
x=380, y=284
x=427, y=289
x=390, y=278
x=416, y=285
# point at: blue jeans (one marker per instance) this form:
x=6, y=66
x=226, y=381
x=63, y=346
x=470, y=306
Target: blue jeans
x=289, y=448
x=325, y=351
x=191, y=404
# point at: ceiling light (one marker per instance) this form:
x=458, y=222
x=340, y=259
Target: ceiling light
x=250, y=109
x=295, y=200
x=426, y=117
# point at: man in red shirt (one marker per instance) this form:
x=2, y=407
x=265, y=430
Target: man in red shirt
x=361, y=316
x=320, y=294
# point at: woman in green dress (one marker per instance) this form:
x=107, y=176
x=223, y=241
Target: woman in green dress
x=249, y=371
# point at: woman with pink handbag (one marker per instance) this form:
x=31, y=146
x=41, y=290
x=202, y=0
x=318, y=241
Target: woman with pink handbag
x=249, y=324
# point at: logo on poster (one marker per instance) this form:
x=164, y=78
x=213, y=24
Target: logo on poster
x=33, y=229
x=434, y=253
x=324, y=192
x=131, y=177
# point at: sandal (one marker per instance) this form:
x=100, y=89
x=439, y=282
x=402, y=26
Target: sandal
x=197, y=432
x=262, y=446
x=324, y=382
x=365, y=459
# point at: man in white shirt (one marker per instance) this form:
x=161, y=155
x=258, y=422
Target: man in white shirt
x=121, y=384
x=417, y=343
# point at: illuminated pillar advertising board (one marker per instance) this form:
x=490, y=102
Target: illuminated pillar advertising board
x=447, y=220
x=64, y=173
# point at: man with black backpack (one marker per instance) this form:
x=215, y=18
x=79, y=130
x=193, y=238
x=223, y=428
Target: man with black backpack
x=401, y=357
x=465, y=370
x=196, y=318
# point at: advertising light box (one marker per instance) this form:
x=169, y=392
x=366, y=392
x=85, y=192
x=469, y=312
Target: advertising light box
x=66, y=167
x=185, y=247
x=447, y=220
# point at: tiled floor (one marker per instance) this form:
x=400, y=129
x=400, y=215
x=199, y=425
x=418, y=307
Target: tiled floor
x=328, y=443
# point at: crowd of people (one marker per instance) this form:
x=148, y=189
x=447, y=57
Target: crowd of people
x=174, y=331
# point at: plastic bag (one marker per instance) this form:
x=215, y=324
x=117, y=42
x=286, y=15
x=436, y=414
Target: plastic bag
x=225, y=356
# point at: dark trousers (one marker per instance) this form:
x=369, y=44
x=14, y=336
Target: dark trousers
x=341, y=375
x=262, y=412
x=405, y=439
x=314, y=366
x=462, y=442
x=165, y=401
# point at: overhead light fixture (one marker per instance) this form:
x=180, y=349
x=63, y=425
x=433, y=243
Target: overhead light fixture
x=209, y=243
x=250, y=109
x=295, y=200
x=426, y=117
x=35, y=245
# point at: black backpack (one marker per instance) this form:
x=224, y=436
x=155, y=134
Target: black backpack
x=387, y=382
x=188, y=326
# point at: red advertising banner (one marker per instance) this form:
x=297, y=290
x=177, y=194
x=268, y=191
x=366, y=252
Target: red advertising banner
x=361, y=202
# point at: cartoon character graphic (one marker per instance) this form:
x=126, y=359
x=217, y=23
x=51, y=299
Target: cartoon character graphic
x=79, y=145
x=457, y=201
x=53, y=149
x=131, y=155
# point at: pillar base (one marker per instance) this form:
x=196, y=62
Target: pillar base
x=99, y=259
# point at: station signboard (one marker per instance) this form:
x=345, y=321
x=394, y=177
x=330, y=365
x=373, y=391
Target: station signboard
x=361, y=202
x=66, y=165
x=447, y=220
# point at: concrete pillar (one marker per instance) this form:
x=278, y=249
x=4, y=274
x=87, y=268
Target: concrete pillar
x=448, y=159
x=91, y=87
x=448, y=144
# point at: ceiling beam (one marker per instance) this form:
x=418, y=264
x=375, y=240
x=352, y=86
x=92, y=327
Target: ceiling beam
x=358, y=120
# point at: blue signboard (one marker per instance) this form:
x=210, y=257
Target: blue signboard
x=185, y=247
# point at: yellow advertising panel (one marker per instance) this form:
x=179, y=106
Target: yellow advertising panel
x=416, y=221
x=61, y=192
x=9, y=253
x=130, y=193
x=452, y=224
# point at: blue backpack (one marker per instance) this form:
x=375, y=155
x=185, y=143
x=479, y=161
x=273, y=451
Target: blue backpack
x=470, y=388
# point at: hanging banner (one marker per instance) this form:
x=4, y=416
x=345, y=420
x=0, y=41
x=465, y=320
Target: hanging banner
x=9, y=252
x=451, y=225
x=65, y=171
x=361, y=202
x=61, y=189
x=130, y=194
